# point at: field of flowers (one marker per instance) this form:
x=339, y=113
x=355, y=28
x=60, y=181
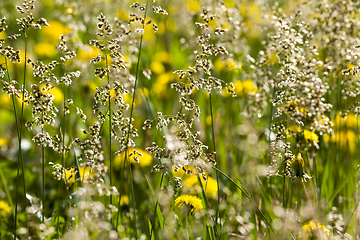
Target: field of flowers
x=186, y=119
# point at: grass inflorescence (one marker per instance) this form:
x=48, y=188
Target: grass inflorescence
x=231, y=119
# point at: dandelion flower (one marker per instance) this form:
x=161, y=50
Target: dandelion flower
x=84, y=175
x=297, y=168
x=311, y=136
x=4, y=208
x=124, y=200
x=136, y=156
x=310, y=231
x=297, y=165
x=45, y=49
x=210, y=185
x=192, y=203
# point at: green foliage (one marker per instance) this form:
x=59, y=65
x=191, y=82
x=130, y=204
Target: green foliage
x=112, y=110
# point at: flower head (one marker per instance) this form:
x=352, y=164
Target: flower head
x=297, y=167
x=209, y=185
x=310, y=231
x=311, y=136
x=136, y=156
x=4, y=208
x=193, y=203
x=85, y=173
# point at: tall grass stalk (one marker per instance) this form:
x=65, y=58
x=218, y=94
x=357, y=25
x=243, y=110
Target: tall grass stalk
x=129, y=126
x=110, y=125
x=18, y=135
x=154, y=228
x=43, y=179
x=20, y=154
x=62, y=135
x=217, y=174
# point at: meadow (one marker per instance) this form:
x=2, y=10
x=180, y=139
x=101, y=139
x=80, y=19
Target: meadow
x=186, y=119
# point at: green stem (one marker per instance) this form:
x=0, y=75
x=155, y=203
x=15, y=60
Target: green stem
x=110, y=124
x=20, y=157
x=214, y=147
x=43, y=180
x=129, y=125
x=18, y=135
x=284, y=180
x=62, y=133
x=156, y=205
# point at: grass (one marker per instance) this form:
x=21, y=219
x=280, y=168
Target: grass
x=250, y=108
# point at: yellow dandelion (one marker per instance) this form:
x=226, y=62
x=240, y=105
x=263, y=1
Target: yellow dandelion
x=52, y=34
x=3, y=141
x=157, y=67
x=297, y=165
x=242, y=88
x=310, y=231
x=311, y=136
x=136, y=156
x=161, y=85
x=249, y=87
x=181, y=172
x=6, y=101
x=4, y=208
x=163, y=57
x=124, y=200
x=294, y=129
x=210, y=185
x=190, y=202
x=45, y=49
x=2, y=35
x=122, y=14
x=85, y=173
x=88, y=52
x=53, y=90
x=193, y=6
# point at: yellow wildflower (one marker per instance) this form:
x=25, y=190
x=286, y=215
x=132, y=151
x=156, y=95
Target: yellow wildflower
x=161, y=85
x=88, y=52
x=2, y=35
x=84, y=175
x=193, y=6
x=248, y=87
x=297, y=165
x=6, y=101
x=294, y=129
x=136, y=156
x=124, y=200
x=181, y=171
x=192, y=203
x=311, y=136
x=52, y=34
x=210, y=185
x=243, y=88
x=3, y=141
x=123, y=15
x=310, y=231
x=55, y=91
x=45, y=49
x=228, y=63
x=157, y=67
x=4, y=208
x=163, y=57
x=229, y=3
